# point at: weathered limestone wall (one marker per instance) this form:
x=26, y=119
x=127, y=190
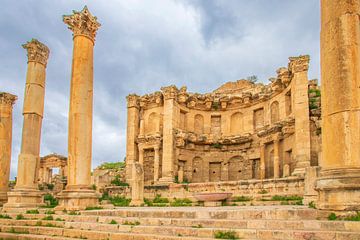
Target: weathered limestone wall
x=241, y=130
x=7, y=101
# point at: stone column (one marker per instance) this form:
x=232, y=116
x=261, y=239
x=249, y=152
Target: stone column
x=141, y=155
x=7, y=101
x=298, y=67
x=78, y=193
x=132, y=133
x=262, y=161
x=156, y=164
x=26, y=193
x=339, y=180
x=181, y=174
x=276, y=157
x=137, y=185
x=170, y=94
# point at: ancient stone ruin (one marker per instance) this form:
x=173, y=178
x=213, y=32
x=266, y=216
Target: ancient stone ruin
x=250, y=146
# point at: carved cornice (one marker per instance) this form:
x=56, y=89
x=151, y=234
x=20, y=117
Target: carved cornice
x=82, y=23
x=132, y=100
x=149, y=141
x=170, y=92
x=299, y=64
x=151, y=99
x=7, y=99
x=37, y=51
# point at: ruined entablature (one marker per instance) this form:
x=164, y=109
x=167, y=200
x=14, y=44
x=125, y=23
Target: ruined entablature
x=132, y=100
x=285, y=127
x=7, y=99
x=53, y=160
x=299, y=64
x=82, y=23
x=149, y=140
x=37, y=51
x=182, y=138
x=170, y=92
x=151, y=100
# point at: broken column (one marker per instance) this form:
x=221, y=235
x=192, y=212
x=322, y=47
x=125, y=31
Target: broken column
x=339, y=181
x=137, y=185
x=7, y=101
x=26, y=193
x=78, y=193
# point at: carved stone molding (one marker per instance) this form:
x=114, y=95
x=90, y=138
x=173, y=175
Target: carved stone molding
x=299, y=64
x=7, y=99
x=37, y=51
x=132, y=100
x=170, y=92
x=82, y=23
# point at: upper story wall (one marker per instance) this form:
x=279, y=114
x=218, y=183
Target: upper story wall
x=236, y=108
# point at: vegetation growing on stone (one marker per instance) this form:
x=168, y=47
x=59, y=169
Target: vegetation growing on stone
x=226, y=235
x=32, y=211
x=112, y=165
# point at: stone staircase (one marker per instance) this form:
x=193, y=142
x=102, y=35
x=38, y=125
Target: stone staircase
x=197, y=223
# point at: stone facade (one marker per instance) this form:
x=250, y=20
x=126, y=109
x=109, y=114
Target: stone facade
x=46, y=175
x=240, y=131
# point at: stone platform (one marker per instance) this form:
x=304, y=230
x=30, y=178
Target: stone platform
x=196, y=223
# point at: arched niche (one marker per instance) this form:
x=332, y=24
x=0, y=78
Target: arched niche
x=236, y=123
x=274, y=111
x=199, y=124
x=153, y=123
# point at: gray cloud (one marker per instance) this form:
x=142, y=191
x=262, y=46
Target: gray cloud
x=143, y=45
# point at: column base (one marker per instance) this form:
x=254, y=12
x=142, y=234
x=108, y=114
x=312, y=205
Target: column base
x=3, y=198
x=24, y=198
x=75, y=200
x=339, y=189
x=137, y=203
x=166, y=180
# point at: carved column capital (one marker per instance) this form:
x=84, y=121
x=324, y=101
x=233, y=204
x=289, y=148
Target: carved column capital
x=132, y=100
x=7, y=99
x=299, y=64
x=170, y=92
x=37, y=51
x=82, y=23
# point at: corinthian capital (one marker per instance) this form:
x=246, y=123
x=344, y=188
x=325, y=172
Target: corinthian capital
x=170, y=92
x=7, y=99
x=37, y=51
x=299, y=64
x=132, y=100
x=82, y=23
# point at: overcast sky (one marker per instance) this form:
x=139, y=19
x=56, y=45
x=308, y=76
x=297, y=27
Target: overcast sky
x=143, y=45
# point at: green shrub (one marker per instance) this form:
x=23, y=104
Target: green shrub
x=120, y=201
x=49, y=212
x=312, y=205
x=226, y=235
x=216, y=145
x=136, y=223
x=286, y=198
x=20, y=217
x=242, y=199
x=112, y=165
x=94, y=208
x=93, y=187
x=118, y=182
x=181, y=202
x=355, y=217
x=48, y=218
x=59, y=219
x=332, y=217
x=105, y=196
x=159, y=199
x=32, y=211
x=113, y=222
x=50, y=186
x=51, y=202
x=5, y=216
x=12, y=230
x=73, y=213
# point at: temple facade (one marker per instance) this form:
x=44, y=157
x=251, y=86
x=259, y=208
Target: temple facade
x=242, y=130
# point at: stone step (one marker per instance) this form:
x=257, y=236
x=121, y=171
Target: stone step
x=13, y=236
x=323, y=225
x=232, y=212
x=104, y=231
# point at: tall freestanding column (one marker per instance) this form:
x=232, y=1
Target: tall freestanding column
x=7, y=101
x=26, y=193
x=78, y=193
x=339, y=180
